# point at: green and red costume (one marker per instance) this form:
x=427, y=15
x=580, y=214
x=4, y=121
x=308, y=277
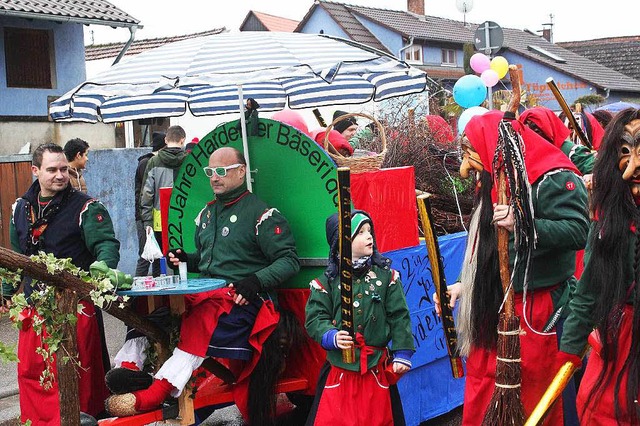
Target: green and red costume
x=359, y=393
x=69, y=225
x=577, y=329
x=561, y=221
x=237, y=236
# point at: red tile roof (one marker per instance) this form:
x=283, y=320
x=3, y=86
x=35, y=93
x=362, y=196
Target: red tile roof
x=276, y=23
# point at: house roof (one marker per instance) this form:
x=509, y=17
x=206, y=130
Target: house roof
x=344, y=16
x=619, y=53
x=111, y=50
x=523, y=43
x=273, y=23
x=95, y=12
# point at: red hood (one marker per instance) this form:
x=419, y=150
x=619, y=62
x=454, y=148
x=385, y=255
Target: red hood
x=548, y=122
x=540, y=156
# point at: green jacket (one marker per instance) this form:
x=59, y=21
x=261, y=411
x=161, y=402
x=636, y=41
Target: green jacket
x=581, y=320
x=579, y=155
x=243, y=237
x=562, y=223
x=161, y=172
x=380, y=314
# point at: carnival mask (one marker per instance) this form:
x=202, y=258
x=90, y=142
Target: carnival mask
x=574, y=135
x=470, y=160
x=629, y=157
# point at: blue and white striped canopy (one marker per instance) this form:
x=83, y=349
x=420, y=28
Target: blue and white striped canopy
x=205, y=74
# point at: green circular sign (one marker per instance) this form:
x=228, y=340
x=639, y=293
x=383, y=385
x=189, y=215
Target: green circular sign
x=289, y=171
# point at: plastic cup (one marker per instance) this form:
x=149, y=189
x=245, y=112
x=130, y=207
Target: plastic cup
x=182, y=268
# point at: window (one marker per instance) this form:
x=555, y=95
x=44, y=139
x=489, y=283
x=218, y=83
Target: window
x=449, y=57
x=29, y=58
x=413, y=54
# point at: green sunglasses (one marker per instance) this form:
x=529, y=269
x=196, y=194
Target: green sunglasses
x=220, y=171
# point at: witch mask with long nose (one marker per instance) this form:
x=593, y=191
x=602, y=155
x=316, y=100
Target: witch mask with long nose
x=629, y=157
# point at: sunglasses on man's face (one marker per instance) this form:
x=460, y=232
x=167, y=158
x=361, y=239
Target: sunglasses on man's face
x=220, y=171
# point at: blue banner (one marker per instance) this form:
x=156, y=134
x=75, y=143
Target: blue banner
x=429, y=388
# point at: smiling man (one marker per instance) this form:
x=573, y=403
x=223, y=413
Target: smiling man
x=51, y=217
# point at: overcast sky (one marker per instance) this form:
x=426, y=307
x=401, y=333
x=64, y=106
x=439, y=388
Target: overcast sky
x=573, y=19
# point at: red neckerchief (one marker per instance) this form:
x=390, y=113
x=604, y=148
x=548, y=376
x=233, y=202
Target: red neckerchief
x=37, y=231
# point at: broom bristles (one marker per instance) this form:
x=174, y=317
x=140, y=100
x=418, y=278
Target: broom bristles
x=505, y=407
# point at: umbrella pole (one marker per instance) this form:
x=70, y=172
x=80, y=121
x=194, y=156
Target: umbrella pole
x=245, y=145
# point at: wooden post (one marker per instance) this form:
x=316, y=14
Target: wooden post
x=67, y=302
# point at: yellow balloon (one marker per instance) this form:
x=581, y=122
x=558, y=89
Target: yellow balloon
x=500, y=65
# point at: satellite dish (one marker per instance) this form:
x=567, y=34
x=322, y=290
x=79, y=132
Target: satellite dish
x=464, y=6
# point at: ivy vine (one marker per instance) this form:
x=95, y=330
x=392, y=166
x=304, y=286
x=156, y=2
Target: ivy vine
x=46, y=318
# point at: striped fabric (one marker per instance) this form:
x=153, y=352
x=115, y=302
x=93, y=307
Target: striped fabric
x=276, y=69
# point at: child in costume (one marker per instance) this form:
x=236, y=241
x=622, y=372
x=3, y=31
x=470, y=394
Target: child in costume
x=351, y=394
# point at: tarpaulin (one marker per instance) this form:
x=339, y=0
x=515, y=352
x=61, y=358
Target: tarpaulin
x=429, y=388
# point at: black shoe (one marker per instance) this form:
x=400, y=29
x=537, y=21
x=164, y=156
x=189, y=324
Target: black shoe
x=87, y=420
x=123, y=380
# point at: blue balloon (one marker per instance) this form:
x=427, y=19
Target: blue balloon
x=467, y=115
x=469, y=91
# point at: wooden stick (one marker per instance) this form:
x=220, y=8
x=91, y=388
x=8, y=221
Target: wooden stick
x=67, y=303
x=567, y=111
x=503, y=248
x=516, y=92
x=437, y=274
x=346, y=265
x=319, y=117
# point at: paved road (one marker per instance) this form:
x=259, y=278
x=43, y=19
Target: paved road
x=9, y=406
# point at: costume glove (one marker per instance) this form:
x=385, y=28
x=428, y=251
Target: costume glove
x=182, y=256
x=248, y=287
x=119, y=279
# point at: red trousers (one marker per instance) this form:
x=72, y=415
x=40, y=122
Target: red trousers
x=537, y=367
x=601, y=410
x=353, y=399
x=42, y=406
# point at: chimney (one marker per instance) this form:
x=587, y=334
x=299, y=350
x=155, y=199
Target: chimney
x=546, y=34
x=416, y=6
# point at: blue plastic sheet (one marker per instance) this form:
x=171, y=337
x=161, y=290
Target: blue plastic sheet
x=429, y=388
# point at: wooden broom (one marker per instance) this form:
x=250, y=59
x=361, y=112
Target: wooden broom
x=505, y=407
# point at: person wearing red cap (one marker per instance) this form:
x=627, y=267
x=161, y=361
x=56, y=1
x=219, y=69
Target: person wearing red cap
x=337, y=141
x=547, y=124
x=189, y=147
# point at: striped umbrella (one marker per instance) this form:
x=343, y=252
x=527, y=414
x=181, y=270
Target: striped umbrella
x=212, y=75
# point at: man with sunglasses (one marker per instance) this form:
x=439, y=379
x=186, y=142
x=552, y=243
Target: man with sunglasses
x=243, y=241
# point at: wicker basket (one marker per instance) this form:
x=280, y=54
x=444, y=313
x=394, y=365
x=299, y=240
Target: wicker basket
x=357, y=164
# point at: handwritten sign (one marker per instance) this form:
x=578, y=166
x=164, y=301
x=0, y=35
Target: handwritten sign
x=415, y=272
